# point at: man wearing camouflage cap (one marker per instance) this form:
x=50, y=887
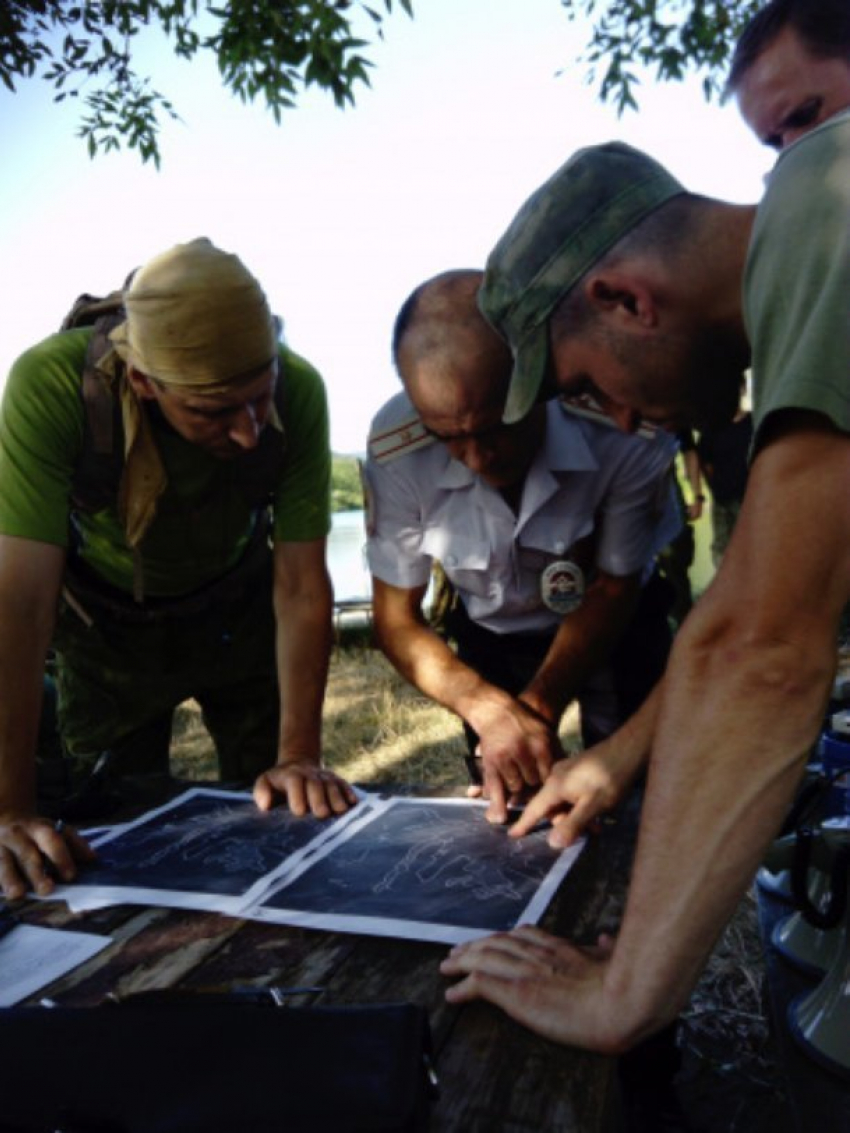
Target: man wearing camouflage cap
x=164, y=505
x=616, y=283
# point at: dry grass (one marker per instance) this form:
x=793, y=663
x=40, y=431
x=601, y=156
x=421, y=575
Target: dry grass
x=731, y=1078
x=377, y=729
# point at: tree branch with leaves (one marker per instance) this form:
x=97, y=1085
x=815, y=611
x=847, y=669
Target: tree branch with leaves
x=672, y=36
x=271, y=50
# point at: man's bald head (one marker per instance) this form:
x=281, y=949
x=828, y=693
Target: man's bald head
x=456, y=370
x=443, y=347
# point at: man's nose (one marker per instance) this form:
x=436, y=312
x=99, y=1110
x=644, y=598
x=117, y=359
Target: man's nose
x=245, y=430
x=475, y=456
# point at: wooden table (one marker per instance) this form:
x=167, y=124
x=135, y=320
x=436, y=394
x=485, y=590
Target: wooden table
x=493, y=1074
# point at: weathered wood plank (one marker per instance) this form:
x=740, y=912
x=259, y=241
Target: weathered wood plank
x=155, y=948
x=495, y=1074
x=264, y=954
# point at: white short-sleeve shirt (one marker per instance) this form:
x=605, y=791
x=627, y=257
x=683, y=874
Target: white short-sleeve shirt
x=593, y=496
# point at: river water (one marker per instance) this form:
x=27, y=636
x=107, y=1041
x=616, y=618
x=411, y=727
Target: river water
x=347, y=557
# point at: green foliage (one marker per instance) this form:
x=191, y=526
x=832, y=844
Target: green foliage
x=346, y=490
x=670, y=36
x=273, y=50
x=267, y=49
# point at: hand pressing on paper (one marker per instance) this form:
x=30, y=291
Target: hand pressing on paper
x=550, y=986
x=306, y=787
x=578, y=790
x=516, y=747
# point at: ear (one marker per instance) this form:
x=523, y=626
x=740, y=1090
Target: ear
x=141, y=384
x=623, y=297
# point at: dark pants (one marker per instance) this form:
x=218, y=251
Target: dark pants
x=610, y=695
x=120, y=679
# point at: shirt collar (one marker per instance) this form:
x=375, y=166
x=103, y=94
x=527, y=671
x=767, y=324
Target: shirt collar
x=565, y=447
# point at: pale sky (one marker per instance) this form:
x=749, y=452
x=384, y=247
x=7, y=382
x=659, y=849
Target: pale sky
x=339, y=214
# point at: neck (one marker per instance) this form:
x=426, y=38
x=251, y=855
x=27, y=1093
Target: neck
x=726, y=241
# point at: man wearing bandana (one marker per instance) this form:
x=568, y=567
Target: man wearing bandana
x=164, y=506
x=547, y=530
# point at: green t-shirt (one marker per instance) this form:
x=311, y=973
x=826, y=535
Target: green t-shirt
x=203, y=520
x=797, y=280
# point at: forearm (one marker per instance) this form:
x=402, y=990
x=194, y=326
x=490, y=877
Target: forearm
x=304, y=638
x=583, y=643
x=743, y=699
x=693, y=473
x=627, y=751
x=424, y=659
x=712, y=805
x=30, y=576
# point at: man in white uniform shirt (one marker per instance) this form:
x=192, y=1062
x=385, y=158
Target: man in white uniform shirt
x=547, y=529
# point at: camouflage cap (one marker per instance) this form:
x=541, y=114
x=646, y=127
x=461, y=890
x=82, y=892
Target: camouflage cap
x=563, y=228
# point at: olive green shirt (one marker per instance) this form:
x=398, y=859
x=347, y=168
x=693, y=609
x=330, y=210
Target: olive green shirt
x=203, y=520
x=797, y=280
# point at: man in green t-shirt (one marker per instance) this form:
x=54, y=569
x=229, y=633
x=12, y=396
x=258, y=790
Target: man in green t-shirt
x=616, y=283
x=791, y=68
x=164, y=507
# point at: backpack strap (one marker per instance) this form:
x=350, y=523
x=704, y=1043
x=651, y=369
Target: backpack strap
x=87, y=309
x=97, y=473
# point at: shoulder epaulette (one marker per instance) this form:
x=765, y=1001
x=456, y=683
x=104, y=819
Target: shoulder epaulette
x=404, y=437
x=583, y=405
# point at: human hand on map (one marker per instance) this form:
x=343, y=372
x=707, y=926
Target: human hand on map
x=306, y=787
x=550, y=986
x=517, y=749
x=35, y=852
x=576, y=792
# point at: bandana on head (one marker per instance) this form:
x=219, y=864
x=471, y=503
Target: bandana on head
x=196, y=318
x=198, y=322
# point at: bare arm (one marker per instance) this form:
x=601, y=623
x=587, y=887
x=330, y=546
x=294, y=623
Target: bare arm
x=30, y=580
x=583, y=642
x=742, y=701
x=303, y=602
x=583, y=786
x=744, y=697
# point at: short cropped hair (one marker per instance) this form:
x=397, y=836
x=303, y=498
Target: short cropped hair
x=822, y=25
x=670, y=234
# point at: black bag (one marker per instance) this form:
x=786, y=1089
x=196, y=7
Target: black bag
x=214, y=1067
